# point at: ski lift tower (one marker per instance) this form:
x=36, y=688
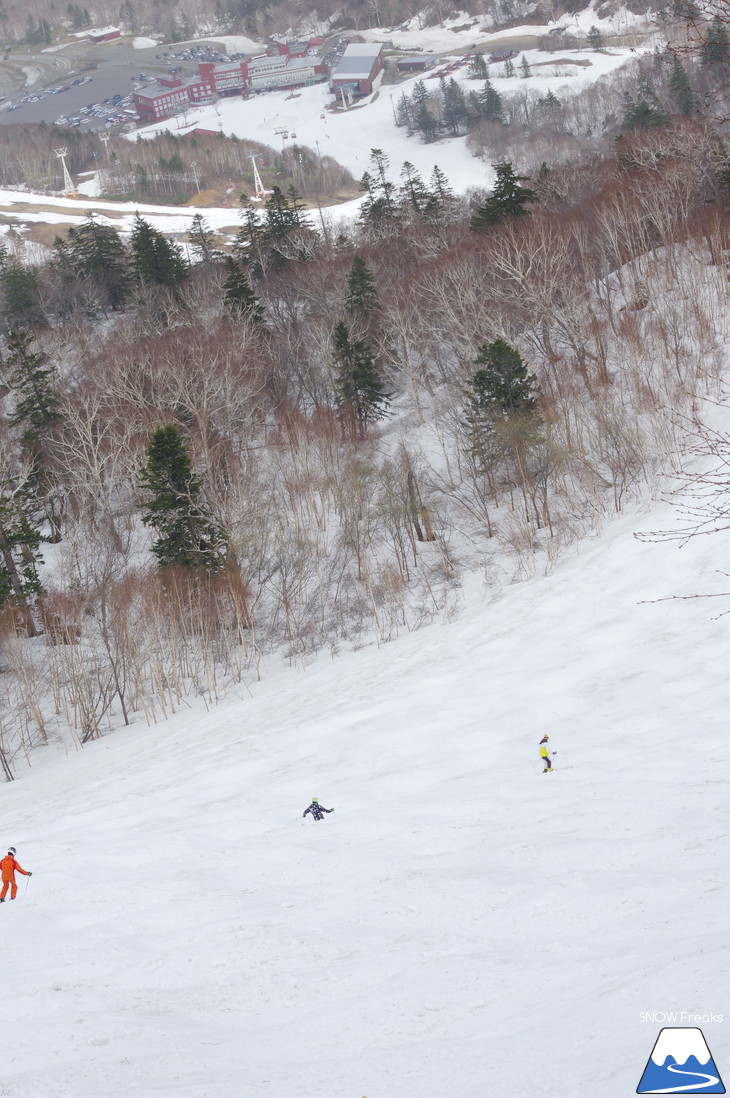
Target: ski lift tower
x=68, y=183
x=258, y=185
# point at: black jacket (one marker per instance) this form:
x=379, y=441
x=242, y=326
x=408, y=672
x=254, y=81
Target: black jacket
x=317, y=810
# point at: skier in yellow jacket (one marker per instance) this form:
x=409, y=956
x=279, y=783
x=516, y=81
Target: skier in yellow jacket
x=545, y=755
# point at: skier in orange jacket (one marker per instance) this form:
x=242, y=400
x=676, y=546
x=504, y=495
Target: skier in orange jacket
x=8, y=866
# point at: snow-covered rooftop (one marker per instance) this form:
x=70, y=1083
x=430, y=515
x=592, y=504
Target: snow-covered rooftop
x=357, y=61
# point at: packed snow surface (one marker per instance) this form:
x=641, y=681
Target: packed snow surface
x=349, y=135
x=463, y=925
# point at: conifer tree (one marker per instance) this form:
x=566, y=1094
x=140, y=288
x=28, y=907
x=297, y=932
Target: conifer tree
x=155, y=260
x=525, y=67
x=440, y=187
x=413, y=192
x=453, y=109
x=715, y=46
x=239, y=295
x=278, y=237
x=362, y=294
x=201, y=237
x=36, y=401
x=30, y=379
x=404, y=112
x=20, y=556
x=478, y=68
x=509, y=68
x=683, y=96
x=440, y=198
x=21, y=306
x=379, y=211
x=596, y=40
x=489, y=102
x=419, y=94
x=425, y=122
x=503, y=385
x=645, y=112
x=360, y=392
x=508, y=199
x=187, y=535
x=95, y=252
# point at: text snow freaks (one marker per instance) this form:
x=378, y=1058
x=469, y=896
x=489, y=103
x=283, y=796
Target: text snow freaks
x=677, y=1017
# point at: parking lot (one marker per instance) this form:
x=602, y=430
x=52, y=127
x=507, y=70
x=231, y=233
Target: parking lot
x=72, y=94
x=92, y=99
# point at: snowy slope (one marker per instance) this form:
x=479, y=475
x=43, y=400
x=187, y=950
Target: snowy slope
x=349, y=136
x=462, y=926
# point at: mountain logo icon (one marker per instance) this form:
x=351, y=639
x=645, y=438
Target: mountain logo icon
x=680, y=1063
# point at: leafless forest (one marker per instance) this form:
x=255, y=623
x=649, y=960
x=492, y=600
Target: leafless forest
x=613, y=289
x=166, y=168
x=201, y=17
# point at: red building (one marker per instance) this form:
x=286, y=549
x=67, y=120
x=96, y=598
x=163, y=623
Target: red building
x=106, y=34
x=155, y=104
x=267, y=71
x=360, y=64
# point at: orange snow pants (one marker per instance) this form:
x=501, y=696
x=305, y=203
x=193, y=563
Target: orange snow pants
x=13, y=889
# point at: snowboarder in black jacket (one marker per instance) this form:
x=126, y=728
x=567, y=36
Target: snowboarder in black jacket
x=316, y=809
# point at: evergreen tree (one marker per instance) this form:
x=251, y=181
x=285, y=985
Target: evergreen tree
x=278, y=238
x=30, y=379
x=490, y=103
x=440, y=197
x=645, y=112
x=379, y=211
x=95, y=253
x=404, y=112
x=425, y=122
x=360, y=392
x=503, y=385
x=155, y=260
x=186, y=534
x=21, y=304
x=141, y=178
x=440, y=187
x=509, y=68
x=20, y=556
x=238, y=294
x=419, y=94
x=684, y=97
x=715, y=46
x=508, y=199
x=36, y=401
x=525, y=67
x=478, y=68
x=414, y=193
x=279, y=216
x=596, y=41
x=202, y=239
x=686, y=9
x=362, y=294
x=551, y=109
x=453, y=110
